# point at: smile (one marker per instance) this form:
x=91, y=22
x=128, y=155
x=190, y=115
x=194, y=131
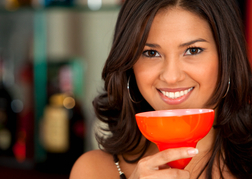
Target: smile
x=177, y=94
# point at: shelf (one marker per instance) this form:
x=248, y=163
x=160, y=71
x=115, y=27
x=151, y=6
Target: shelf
x=83, y=8
x=32, y=27
x=13, y=163
x=76, y=8
x=13, y=173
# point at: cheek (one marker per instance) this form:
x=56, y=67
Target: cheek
x=143, y=80
x=146, y=76
x=141, y=72
x=212, y=72
x=209, y=76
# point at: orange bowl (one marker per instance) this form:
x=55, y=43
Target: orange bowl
x=175, y=128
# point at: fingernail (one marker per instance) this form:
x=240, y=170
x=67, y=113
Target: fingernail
x=192, y=151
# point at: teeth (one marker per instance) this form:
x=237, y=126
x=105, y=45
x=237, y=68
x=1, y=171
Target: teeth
x=174, y=95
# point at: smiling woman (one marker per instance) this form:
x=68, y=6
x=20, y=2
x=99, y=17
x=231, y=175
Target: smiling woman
x=179, y=64
x=174, y=54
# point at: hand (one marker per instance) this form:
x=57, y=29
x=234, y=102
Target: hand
x=155, y=166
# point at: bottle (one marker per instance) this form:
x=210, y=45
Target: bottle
x=63, y=124
x=13, y=5
x=64, y=3
x=62, y=133
x=55, y=125
x=8, y=119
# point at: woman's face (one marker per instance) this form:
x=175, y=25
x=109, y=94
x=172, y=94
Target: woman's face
x=179, y=64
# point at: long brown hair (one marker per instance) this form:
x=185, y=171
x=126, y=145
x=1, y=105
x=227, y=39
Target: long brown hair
x=113, y=106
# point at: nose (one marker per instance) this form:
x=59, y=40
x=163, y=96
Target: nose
x=172, y=71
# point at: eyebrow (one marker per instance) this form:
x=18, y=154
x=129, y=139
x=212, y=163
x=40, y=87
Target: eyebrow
x=192, y=42
x=152, y=45
x=181, y=45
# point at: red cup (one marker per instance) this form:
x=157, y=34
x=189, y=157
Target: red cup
x=175, y=128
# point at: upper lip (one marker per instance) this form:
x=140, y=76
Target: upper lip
x=173, y=89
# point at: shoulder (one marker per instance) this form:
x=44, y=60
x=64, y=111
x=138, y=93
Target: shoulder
x=94, y=164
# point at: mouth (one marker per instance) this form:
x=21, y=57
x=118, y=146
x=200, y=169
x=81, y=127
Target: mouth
x=177, y=94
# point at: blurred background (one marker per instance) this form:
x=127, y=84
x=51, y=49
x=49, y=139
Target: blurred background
x=51, y=57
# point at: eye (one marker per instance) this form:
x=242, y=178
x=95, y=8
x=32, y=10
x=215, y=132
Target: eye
x=151, y=53
x=193, y=51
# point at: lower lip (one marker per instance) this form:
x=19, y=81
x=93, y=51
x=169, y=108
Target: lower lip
x=175, y=101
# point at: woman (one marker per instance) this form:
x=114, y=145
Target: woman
x=174, y=54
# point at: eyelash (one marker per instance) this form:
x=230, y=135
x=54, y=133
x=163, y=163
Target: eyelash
x=145, y=53
x=191, y=48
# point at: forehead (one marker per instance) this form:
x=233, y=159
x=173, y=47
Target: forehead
x=179, y=23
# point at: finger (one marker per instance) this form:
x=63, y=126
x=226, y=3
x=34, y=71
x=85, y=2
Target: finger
x=169, y=155
x=173, y=174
